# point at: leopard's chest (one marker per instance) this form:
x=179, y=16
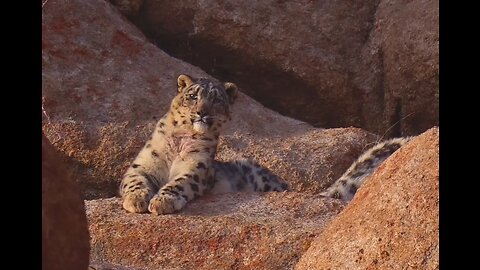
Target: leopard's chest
x=185, y=145
x=179, y=144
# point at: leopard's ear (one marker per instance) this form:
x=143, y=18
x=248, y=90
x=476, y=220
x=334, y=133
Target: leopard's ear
x=184, y=81
x=231, y=90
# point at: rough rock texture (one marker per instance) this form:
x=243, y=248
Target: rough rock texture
x=104, y=85
x=110, y=266
x=310, y=160
x=404, y=52
x=65, y=238
x=331, y=63
x=231, y=231
x=129, y=8
x=392, y=222
x=298, y=51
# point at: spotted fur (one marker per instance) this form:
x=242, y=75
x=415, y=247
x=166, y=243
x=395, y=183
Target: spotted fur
x=346, y=186
x=177, y=164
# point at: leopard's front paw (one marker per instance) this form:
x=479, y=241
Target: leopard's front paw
x=136, y=202
x=166, y=204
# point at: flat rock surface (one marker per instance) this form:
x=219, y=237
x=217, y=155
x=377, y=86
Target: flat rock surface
x=231, y=231
x=96, y=265
x=393, y=220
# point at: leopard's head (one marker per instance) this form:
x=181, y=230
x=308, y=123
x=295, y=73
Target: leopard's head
x=203, y=103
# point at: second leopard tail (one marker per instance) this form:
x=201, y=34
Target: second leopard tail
x=346, y=186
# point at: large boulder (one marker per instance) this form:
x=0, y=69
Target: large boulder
x=65, y=238
x=401, y=73
x=369, y=64
x=392, y=222
x=105, y=85
x=231, y=231
x=293, y=57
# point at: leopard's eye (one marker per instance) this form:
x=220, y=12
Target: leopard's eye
x=192, y=97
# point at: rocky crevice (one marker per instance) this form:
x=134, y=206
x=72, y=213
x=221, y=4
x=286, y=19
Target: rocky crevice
x=325, y=67
x=278, y=85
x=256, y=77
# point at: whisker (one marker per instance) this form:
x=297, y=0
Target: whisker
x=385, y=133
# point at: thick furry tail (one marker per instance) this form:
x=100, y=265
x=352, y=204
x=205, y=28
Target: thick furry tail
x=346, y=186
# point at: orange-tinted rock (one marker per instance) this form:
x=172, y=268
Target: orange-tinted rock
x=231, y=231
x=65, y=238
x=104, y=85
x=392, y=222
x=111, y=266
x=309, y=161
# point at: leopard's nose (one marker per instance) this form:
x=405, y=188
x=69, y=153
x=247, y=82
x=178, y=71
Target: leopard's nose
x=202, y=113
